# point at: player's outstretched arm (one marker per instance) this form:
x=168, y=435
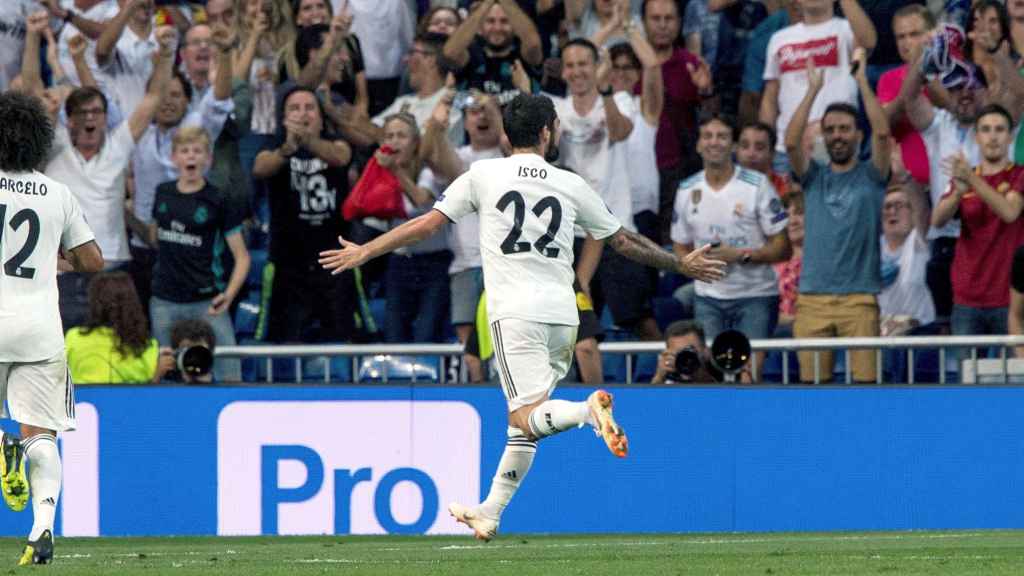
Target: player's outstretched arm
x=351, y=255
x=696, y=264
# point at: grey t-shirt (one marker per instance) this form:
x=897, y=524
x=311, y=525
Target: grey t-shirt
x=842, y=222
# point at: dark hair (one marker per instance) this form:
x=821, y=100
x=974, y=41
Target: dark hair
x=308, y=39
x=1004, y=24
x=284, y=95
x=759, y=126
x=624, y=49
x=425, y=21
x=685, y=328
x=26, y=132
x=178, y=75
x=114, y=303
x=525, y=116
x=916, y=10
x=80, y=96
x=841, y=108
x=435, y=41
x=583, y=42
x=994, y=108
x=727, y=119
x=195, y=330
x=298, y=3
x=643, y=9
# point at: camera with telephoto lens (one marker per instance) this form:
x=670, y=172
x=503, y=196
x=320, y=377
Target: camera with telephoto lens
x=196, y=361
x=730, y=353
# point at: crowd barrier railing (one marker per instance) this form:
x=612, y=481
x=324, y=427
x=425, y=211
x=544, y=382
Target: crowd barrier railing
x=971, y=368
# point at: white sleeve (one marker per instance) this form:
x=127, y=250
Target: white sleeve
x=214, y=113
x=681, y=232
x=624, y=102
x=593, y=214
x=458, y=199
x=771, y=64
x=771, y=213
x=76, y=230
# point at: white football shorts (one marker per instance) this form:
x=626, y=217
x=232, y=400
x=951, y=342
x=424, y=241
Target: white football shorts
x=531, y=357
x=38, y=393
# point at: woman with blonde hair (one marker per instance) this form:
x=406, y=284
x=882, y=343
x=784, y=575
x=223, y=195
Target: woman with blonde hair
x=114, y=345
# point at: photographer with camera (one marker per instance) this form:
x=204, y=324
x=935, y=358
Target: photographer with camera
x=686, y=358
x=191, y=354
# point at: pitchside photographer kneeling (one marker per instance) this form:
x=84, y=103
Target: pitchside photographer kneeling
x=192, y=346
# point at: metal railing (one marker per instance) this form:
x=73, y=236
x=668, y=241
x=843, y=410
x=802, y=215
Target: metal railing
x=357, y=352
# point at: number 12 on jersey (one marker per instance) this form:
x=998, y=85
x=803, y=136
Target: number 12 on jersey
x=511, y=243
x=13, y=267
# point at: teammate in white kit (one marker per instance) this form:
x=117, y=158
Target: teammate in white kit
x=528, y=209
x=39, y=218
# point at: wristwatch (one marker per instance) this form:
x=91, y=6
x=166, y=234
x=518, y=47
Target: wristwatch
x=745, y=259
x=606, y=92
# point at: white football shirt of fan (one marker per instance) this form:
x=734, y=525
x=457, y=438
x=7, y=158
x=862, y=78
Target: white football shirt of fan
x=528, y=209
x=38, y=216
x=742, y=214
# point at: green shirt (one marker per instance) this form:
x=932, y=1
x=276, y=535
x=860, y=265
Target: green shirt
x=93, y=358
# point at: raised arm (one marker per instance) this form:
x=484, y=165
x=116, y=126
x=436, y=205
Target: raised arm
x=863, y=30
x=114, y=29
x=352, y=255
x=795, y=131
x=78, y=45
x=619, y=126
x=695, y=264
x=313, y=72
x=881, y=141
x=138, y=122
x=769, y=110
x=912, y=101
x=652, y=84
x=530, y=47
x=30, y=75
x=243, y=59
x=442, y=158
x=223, y=40
x=90, y=28
x=456, y=49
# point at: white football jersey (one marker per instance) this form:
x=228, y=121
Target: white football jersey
x=38, y=216
x=528, y=209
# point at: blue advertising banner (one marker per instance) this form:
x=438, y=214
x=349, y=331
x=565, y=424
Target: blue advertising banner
x=388, y=459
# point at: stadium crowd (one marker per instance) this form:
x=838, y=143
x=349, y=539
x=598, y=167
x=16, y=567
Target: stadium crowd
x=856, y=162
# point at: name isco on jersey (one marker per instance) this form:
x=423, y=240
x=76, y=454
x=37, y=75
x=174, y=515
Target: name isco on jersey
x=26, y=187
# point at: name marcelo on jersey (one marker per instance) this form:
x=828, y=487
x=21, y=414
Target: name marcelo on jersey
x=26, y=187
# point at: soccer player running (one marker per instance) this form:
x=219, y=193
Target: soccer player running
x=39, y=218
x=527, y=210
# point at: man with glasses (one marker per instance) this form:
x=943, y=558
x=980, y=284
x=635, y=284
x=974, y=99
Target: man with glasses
x=93, y=162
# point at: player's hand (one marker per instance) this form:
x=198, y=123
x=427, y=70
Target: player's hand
x=219, y=305
x=699, y=266
x=350, y=255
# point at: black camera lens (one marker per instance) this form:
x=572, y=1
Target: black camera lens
x=688, y=361
x=195, y=360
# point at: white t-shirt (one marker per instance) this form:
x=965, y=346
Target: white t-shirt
x=38, y=217
x=585, y=149
x=742, y=214
x=13, y=15
x=945, y=137
x=101, y=12
x=421, y=109
x=98, y=185
x=464, y=237
x=908, y=294
x=831, y=45
x=385, y=29
x=129, y=69
x=528, y=209
x=643, y=178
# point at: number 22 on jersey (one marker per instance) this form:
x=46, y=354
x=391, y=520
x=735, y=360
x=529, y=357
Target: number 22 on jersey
x=511, y=243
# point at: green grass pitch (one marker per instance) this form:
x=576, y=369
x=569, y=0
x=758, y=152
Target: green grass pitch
x=991, y=553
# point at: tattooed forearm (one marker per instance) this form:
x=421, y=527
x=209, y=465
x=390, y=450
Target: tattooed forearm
x=639, y=249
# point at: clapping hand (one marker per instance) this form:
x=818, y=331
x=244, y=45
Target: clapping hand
x=699, y=266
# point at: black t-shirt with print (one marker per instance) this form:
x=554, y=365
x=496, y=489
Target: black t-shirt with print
x=190, y=233
x=306, y=196
x=493, y=74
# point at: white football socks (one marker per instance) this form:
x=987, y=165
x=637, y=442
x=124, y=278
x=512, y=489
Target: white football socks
x=554, y=416
x=512, y=468
x=43, y=480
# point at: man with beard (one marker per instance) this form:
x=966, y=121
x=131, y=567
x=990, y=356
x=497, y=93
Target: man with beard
x=152, y=164
x=95, y=162
x=840, y=279
x=494, y=45
x=988, y=200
